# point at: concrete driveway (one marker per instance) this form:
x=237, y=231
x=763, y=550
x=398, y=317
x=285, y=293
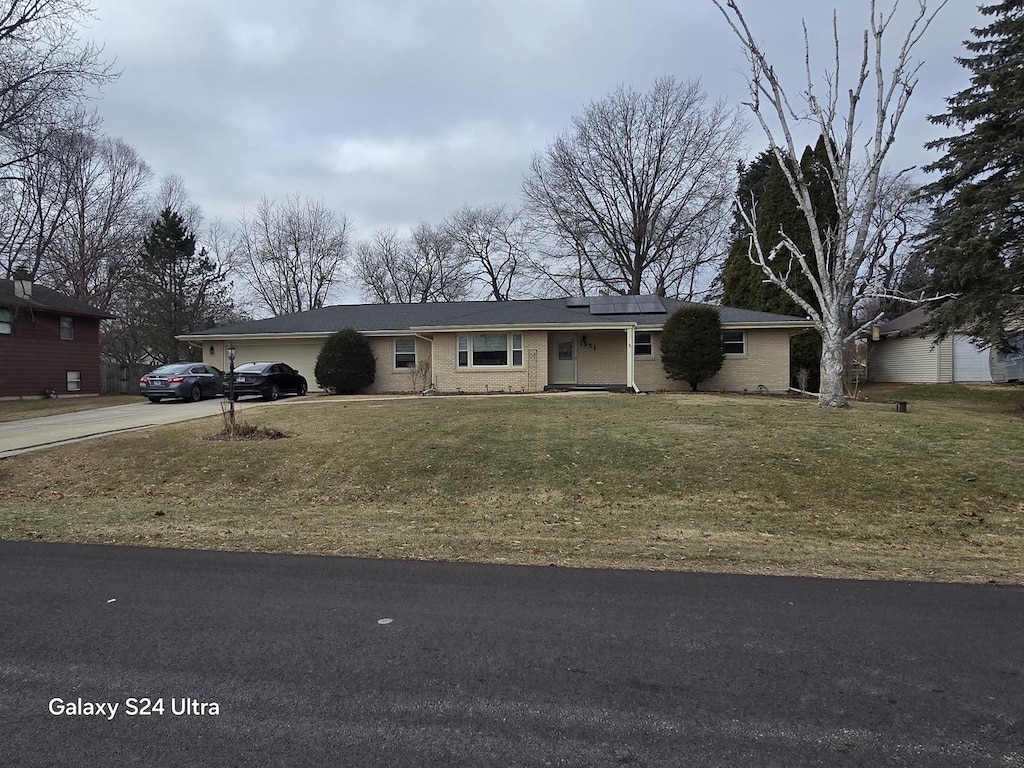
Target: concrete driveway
x=46, y=431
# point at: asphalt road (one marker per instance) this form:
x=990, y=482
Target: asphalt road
x=340, y=662
x=46, y=431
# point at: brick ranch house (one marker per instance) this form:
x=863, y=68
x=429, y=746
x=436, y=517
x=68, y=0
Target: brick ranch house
x=515, y=346
x=49, y=342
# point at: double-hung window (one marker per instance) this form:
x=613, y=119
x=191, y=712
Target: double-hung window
x=6, y=321
x=734, y=342
x=642, y=345
x=74, y=381
x=67, y=327
x=405, y=352
x=489, y=349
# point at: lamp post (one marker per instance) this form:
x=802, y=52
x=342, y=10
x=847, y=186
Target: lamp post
x=231, y=383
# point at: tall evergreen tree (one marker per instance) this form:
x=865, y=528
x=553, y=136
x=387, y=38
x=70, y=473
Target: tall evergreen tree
x=174, y=290
x=744, y=285
x=974, y=241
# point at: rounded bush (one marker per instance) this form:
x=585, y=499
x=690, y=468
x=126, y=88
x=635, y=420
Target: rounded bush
x=691, y=344
x=346, y=364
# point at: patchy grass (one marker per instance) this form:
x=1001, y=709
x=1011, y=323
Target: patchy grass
x=1006, y=398
x=12, y=410
x=244, y=430
x=688, y=482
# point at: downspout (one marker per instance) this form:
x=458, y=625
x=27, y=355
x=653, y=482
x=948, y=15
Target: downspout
x=430, y=341
x=631, y=359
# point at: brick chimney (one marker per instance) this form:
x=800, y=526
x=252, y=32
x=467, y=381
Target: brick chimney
x=22, y=283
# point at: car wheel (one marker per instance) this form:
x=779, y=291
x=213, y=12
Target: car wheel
x=154, y=399
x=195, y=394
x=273, y=393
x=303, y=389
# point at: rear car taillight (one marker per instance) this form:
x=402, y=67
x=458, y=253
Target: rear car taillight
x=175, y=379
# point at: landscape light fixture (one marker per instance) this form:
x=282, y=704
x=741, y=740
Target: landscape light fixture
x=232, y=351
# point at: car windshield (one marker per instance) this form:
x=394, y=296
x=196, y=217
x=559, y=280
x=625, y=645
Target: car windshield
x=169, y=370
x=251, y=367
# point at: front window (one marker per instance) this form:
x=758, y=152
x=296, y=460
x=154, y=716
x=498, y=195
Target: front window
x=67, y=327
x=74, y=381
x=642, y=345
x=733, y=342
x=405, y=353
x=6, y=321
x=490, y=349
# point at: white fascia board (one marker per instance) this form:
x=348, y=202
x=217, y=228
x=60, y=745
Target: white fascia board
x=794, y=326
x=524, y=327
x=252, y=336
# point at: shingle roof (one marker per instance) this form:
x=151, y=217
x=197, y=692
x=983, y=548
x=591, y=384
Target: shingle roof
x=45, y=300
x=471, y=314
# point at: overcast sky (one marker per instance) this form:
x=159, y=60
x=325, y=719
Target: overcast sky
x=396, y=111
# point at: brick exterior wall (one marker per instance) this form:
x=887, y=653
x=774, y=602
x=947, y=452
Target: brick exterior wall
x=529, y=377
x=765, y=361
x=34, y=358
x=599, y=361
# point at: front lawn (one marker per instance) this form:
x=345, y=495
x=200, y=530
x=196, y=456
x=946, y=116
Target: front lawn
x=691, y=482
x=12, y=410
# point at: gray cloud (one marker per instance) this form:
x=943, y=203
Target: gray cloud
x=395, y=111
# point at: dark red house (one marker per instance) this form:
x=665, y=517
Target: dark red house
x=49, y=342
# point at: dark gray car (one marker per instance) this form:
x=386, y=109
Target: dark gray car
x=267, y=379
x=185, y=381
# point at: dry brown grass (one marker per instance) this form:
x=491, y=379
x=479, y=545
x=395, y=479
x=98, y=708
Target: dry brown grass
x=12, y=410
x=690, y=482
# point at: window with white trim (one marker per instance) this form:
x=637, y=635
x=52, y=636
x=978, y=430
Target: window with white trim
x=405, y=352
x=67, y=327
x=74, y=381
x=6, y=321
x=642, y=345
x=490, y=349
x=734, y=342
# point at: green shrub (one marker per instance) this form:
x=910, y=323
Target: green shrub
x=346, y=364
x=691, y=345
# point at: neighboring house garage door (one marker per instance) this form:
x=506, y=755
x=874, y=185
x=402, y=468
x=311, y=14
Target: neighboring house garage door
x=969, y=362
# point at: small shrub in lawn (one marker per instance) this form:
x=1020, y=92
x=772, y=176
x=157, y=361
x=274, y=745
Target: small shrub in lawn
x=242, y=430
x=346, y=364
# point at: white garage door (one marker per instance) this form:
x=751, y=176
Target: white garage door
x=969, y=362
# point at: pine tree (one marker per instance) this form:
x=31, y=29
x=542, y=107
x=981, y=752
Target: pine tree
x=973, y=244
x=744, y=284
x=174, y=290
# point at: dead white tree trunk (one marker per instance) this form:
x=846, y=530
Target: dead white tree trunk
x=873, y=104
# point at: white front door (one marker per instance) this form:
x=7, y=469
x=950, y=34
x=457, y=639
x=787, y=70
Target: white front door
x=565, y=360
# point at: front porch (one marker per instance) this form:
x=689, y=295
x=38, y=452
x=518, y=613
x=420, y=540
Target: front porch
x=600, y=359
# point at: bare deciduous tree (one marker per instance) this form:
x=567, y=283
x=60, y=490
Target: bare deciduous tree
x=46, y=72
x=106, y=214
x=493, y=242
x=425, y=267
x=628, y=196
x=844, y=253
x=291, y=253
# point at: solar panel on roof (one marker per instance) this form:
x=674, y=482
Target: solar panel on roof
x=650, y=305
x=626, y=305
